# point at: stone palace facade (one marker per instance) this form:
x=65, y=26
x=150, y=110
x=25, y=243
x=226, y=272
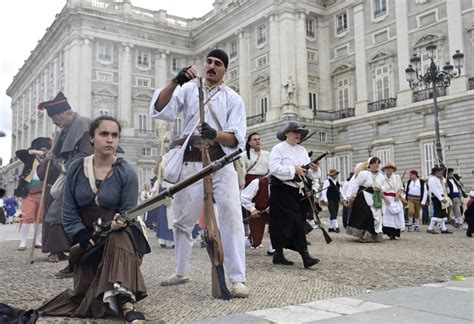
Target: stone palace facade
x=336, y=66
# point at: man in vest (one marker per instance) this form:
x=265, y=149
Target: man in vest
x=455, y=217
x=416, y=194
x=331, y=197
x=439, y=197
x=255, y=199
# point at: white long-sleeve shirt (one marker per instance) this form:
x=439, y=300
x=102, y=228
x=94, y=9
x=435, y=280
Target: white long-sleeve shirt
x=283, y=159
x=415, y=190
x=392, y=185
x=436, y=187
x=367, y=179
x=249, y=193
x=259, y=168
x=226, y=104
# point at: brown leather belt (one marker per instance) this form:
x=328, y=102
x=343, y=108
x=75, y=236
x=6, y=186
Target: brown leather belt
x=90, y=214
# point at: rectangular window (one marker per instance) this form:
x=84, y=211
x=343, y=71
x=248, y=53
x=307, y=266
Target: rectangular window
x=177, y=63
x=312, y=101
x=233, y=49
x=143, y=82
x=311, y=56
x=341, y=23
x=343, y=94
x=383, y=155
x=233, y=74
x=104, y=52
x=342, y=165
x=146, y=174
x=382, y=83
x=146, y=151
x=142, y=122
x=262, y=61
x=261, y=34
x=310, y=27
x=263, y=105
x=380, y=8
x=322, y=137
x=143, y=59
x=429, y=158
x=105, y=76
x=104, y=112
x=327, y=164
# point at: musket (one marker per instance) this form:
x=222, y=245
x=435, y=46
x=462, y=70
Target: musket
x=307, y=137
x=101, y=230
x=315, y=212
x=307, y=166
x=212, y=237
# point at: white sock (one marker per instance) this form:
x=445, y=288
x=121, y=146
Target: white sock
x=24, y=230
x=417, y=222
x=443, y=224
x=39, y=234
x=270, y=247
x=336, y=224
x=432, y=223
x=459, y=220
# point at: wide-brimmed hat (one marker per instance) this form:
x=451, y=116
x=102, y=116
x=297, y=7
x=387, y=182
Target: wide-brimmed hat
x=471, y=194
x=436, y=168
x=333, y=172
x=389, y=165
x=41, y=142
x=289, y=127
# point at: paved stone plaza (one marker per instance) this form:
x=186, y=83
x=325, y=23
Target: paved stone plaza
x=347, y=268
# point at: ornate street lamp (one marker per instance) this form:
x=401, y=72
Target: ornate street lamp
x=434, y=78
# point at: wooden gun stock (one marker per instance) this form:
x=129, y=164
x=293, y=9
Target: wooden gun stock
x=327, y=238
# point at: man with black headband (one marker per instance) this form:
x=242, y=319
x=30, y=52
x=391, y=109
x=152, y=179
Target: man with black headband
x=225, y=127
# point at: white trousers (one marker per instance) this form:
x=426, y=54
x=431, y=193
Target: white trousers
x=187, y=205
x=377, y=214
x=25, y=230
x=440, y=221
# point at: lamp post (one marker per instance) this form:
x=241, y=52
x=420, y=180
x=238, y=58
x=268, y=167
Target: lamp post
x=434, y=78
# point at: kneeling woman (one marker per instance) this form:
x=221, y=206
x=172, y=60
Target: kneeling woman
x=287, y=207
x=102, y=185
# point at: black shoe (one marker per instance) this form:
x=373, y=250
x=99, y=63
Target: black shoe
x=270, y=253
x=337, y=230
x=163, y=246
x=280, y=259
x=308, y=260
x=446, y=232
x=469, y=233
x=331, y=230
x=64, y=273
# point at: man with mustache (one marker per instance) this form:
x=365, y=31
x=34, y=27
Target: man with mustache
x=224, y=130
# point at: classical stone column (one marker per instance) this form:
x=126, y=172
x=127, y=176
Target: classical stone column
x=325, y=89
x=244, y=68
x=404, y=96
x=85, y=79
x=302, y=68
x=455, y=36
x=287, y=32
x=125, y=88
x=45, y=114
x=161, y=71
x=275, y=79
x=35, y=105
x=28, y=115
x=361, y=62
x=72, y=57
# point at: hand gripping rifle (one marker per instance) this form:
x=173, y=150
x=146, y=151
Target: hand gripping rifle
x=307, y=166
x=101, y=230
x=212, y=236
x=314, y=210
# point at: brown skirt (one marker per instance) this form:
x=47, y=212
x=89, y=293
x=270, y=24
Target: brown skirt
x=120, y=264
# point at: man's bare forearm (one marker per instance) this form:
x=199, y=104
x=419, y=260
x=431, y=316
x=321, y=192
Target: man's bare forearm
x=226, y=139
x=165, y=96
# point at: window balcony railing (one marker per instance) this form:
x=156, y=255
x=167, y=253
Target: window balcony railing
x=470, y=83
x=144, y=133
x=341, y=29
x=257, y=119
x=427, y=94
x=334, y=115
x=380, y=12
x=382, y=104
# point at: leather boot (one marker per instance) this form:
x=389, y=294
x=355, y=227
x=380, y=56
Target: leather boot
x=308, y=260
x=279, y=258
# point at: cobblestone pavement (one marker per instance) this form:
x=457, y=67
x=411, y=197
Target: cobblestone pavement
x=347, y=268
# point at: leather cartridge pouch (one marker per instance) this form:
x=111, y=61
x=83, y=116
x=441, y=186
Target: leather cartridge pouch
x=90, y=214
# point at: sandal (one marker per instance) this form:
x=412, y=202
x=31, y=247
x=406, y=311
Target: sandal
x=53, y=258
x=131, y=314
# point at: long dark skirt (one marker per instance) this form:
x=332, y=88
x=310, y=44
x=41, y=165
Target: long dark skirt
x=391, y=231
x=120, y=264
x=55, y=239
x=361, y=221
x=162, y=230
x=287, y=217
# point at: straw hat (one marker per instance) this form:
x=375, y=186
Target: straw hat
x=333, y=172
x=389, y=165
